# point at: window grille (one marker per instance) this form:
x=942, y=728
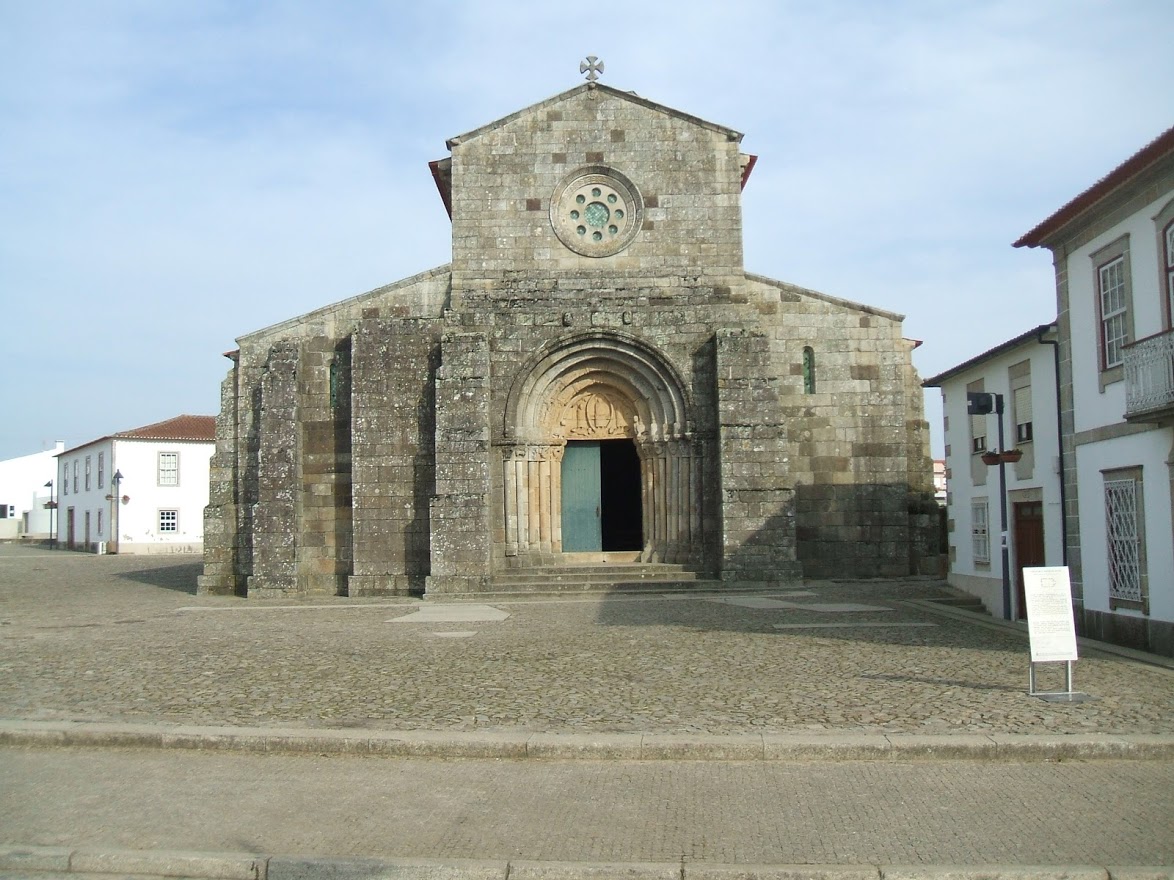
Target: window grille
x=980, y=533
x=1124, y=540
x=168, y=468
x=168, y=520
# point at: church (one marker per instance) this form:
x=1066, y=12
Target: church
x=594, y=383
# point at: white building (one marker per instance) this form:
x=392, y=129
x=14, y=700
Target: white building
x=1113, y=251
x=138, y=491
x=1022, y=372
x=25, y=497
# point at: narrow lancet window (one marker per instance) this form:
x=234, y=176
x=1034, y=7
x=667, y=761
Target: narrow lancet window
x=808, y=370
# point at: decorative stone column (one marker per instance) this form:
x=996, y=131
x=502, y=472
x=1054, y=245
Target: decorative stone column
x=671, y=495
x=532, y=486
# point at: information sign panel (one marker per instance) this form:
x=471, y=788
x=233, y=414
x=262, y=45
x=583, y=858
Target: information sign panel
x=1050, y=625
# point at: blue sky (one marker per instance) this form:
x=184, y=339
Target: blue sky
x=174, y=175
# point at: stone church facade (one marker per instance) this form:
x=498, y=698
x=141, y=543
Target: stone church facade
x=593, y=379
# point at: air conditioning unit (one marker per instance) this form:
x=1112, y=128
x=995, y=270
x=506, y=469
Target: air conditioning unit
x=101, y=548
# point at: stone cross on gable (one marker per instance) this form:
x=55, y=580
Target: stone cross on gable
x=593, y=67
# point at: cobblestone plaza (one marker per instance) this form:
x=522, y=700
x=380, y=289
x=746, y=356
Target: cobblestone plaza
x=126, y=639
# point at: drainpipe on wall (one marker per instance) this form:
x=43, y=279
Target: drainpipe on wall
x=1055, y=344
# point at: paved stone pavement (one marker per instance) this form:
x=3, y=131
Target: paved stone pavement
x=948, y=812
x=124, y=641
x=122, y=638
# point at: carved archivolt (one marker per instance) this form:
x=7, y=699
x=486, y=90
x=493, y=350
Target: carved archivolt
x=596, y=386
x=599, y=386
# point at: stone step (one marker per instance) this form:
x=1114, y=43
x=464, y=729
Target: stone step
x=596, y=573
x=963, y=603
x=499, y=591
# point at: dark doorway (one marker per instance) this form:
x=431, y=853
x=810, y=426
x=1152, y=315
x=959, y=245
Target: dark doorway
x=601, y=496
x=619, y=478
x=1029, y=544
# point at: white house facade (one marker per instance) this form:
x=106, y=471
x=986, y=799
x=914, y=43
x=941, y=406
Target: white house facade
x=25, y=497
x=1022, y=373
x=138, y=491
x=1113, y=251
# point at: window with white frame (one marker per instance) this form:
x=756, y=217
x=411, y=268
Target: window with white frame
x=99, y=523
x=1125, y=539
x=168, y=468
x=1114, y=312
x=101, y=470
x=1164, y=233
x=1114, y=305
x=75, y=476
x=980, y=531
x=1024, y=423
x=1169, y=254
x=89, y=468
x=168, y=520
x=1019, y=378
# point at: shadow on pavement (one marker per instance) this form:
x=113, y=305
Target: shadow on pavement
x=180, y=577
x=795, y=613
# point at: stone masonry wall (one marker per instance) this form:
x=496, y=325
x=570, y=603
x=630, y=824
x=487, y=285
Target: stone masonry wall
x=503, y=177
x=848, y=438
x=276, y=513
x=393, y=424
x=221, y=550
x=324, y=544
x=757, y=510
x=460, y=535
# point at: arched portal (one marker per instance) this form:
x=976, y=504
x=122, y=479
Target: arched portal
x=568, y=401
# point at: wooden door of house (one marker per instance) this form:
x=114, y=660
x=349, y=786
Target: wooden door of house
x=1029, y=544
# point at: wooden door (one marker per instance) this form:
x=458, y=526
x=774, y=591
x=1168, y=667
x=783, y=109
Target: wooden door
x=582, y=520
x=1029, y=544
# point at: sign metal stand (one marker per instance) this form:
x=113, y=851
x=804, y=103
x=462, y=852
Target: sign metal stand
x=1051, y=630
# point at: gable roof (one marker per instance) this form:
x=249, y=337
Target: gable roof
x=1148, y=155
x=184, y=427
x=733, y=135
x=1035, y=334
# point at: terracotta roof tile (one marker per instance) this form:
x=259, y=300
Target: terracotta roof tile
x=1135, y=164
x=183, y=427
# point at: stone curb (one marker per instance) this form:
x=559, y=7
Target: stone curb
x=617, y=746
x=34, y=861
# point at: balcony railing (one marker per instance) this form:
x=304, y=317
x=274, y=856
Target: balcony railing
x=1149, y=377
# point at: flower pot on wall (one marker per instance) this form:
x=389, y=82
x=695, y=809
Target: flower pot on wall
x=1012, y=455
x=991, y=458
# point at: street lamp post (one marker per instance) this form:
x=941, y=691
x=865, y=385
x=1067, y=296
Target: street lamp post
x=980, y=403
x=116, y=482
x=52, y=508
